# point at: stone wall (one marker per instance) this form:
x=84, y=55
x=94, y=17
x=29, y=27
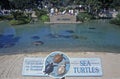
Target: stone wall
x=63, y=18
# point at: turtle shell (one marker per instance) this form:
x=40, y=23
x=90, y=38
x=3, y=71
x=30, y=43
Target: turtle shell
x=58, y=58
x=49, y=68
x=61, y=70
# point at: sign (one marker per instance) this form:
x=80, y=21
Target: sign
x=78, y=67
x=33, y=67
x=85, y=67
x=57, y=64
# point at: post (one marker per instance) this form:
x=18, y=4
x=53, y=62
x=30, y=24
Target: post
x=63, y=78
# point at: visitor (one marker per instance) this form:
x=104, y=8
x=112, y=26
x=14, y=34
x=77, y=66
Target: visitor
x=64, y=12
x=52, y=11
x=72, y=11
x=56, y=11
x=33, y=17
x=76, y=12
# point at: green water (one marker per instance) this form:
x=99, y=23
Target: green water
x=96, y=36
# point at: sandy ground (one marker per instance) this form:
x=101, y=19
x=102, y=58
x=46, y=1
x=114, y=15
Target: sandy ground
x=11, y=65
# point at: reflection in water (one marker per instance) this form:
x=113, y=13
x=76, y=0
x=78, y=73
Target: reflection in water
x=62, y=31
x=92, y=36
x=35, y=37
x=8, y=37
x=9, y=31
x=7, y=41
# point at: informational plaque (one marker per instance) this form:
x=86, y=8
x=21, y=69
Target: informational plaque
x=33, y=66
x=79, y=67
x=85, y=67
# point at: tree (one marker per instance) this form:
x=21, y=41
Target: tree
x=93, y=5
x=4, y=4
x=78, y=2
x=23, y=4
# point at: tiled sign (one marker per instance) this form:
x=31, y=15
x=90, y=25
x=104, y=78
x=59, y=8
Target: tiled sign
x=78, y=67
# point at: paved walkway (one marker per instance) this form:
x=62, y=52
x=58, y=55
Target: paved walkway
x=11, y=65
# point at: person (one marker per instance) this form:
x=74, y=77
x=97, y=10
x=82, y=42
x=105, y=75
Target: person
x=64, y=12
x=34, y=17
x=52, y=11
x=56, y=11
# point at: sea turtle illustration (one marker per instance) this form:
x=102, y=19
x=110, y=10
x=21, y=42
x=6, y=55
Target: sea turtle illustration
x=61, y=69
x=58, y=58
x=49, y=68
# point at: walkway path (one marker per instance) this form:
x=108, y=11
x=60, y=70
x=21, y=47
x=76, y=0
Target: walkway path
x=11, y=65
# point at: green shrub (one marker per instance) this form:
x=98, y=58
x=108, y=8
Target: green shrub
x=39, y=13
x=19, y=22
x=6, y=17
x=61, y=9
x=19, y=18
x=44, y=18
x=83, y=17
x=18, y=15
x=116, y=20
x=15, y=22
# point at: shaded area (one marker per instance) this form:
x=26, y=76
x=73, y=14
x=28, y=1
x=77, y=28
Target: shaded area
x=35, y=37
x=92, y=28
x=59, y=36
x=37, y=43
x=7, y=41
x=62, y=34
x=70, y=31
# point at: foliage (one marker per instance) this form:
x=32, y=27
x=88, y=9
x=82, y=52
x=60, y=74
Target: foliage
x=18, y=22
x=55, y=2
x=19, y=18
x=15, y=22
x=94, y=6
x=83, y=17
x=23, y=4
x=116, y=20
x=61, y=9
x=44, y=18
x=78, y=2
x=39, y=13
x=6, y=17
x=18, y=15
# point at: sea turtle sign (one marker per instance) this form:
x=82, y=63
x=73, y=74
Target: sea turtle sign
x=58, y=65
x=85, y=67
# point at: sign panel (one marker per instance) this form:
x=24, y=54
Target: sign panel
x=57, y=65
x=78, y=67
x=33, y=67
x=85, y=67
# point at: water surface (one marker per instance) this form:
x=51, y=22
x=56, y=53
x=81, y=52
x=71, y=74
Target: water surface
x=96, y=36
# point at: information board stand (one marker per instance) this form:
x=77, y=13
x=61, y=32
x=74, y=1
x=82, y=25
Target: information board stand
x=79, y=67
x=63, y=78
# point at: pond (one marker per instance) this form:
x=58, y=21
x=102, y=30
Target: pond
x=95, y=36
